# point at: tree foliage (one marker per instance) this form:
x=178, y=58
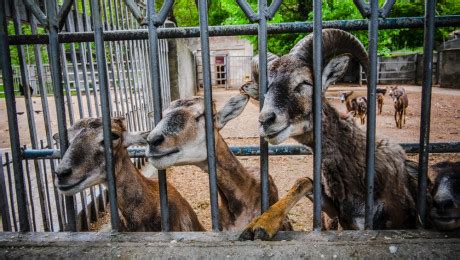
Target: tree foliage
x=226, y=12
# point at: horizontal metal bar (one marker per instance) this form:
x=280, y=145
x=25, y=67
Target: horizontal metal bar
x=229, y=30
x=450, y=147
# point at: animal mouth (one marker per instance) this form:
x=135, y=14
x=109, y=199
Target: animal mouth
x=447, y=220
x=274, y=134
x=160, y=155
x=71, y=186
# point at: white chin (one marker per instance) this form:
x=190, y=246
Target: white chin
x=89, y=182
x=280, y=137
x=162, y=164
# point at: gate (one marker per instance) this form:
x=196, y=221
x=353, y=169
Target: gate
x=131, y=83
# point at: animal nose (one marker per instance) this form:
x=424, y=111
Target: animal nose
x=267, y=118
x=63, y=173
x=443, y=205
x=156, y=140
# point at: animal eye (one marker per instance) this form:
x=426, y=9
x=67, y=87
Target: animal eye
x=299, y=88
x=115, y=136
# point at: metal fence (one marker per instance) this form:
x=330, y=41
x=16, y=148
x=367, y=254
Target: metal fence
x=118, y=38
x=74, y=68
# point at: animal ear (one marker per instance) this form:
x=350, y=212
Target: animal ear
x=251, y=89
x=233, y=108
x=135, y=138
x=334, y=70
x=255, y=65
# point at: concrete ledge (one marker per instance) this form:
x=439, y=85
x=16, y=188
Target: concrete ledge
x=345, y=244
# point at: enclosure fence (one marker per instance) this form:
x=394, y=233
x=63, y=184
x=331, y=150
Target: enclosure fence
x=124, y=42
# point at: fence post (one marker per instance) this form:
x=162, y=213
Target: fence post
x=24, y=223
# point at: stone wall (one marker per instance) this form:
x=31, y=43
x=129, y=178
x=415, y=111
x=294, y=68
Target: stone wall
x=449, y=73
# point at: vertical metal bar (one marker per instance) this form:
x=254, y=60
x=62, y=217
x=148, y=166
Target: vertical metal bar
x=428, y=45
x=120, y=68
x=30, y=111
x=210, y=142
x=82, y=54
x=67, y=85
x=10, y=189
x=263, y=85
x=130, y=71
x=124, y=65
x=112, y=67
x=134, y=70
x=89, y=55
x=317, y=112
x=5, y=208
x=156, y=90
x=12, y=121
x=370, y=137
x=30, y=192
x=76, y=76
x=55, y=66
x=107, y=129
x=47, y=191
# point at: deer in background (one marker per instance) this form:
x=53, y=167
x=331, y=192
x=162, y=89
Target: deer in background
x=356, y=105
x=83, y=166
x=401, y=102
x=381, y=92
x=180, y=139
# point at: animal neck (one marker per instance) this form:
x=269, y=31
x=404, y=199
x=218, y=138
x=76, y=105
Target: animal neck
x=134, y=191
x=235, y=183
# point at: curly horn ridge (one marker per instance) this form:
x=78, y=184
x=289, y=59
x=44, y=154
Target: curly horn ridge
x=335, y=42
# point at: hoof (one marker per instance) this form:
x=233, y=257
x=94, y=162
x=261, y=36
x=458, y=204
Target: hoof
x=247, y=234
x=260, y=233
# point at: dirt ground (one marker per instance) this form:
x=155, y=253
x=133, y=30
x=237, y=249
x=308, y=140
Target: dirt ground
x=285, y=170
x=445, y=126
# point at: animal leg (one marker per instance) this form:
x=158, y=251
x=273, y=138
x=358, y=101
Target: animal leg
x=396, y=119
x=267, y=225
x=400, y=119
x=404, y=116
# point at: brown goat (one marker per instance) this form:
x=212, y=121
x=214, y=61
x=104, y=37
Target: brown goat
x=401, y=102
x=180, y=139
x=83, y=166
x=380, y=100
x=360, y=104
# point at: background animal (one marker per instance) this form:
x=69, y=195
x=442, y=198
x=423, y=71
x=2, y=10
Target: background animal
x=401, y=102
x=360, y=104
x=83, y=166
x=381, y=92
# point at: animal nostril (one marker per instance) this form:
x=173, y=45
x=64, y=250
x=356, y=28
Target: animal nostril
x=444, y=204
x=156, y=140
x=63, y=173
x=267, y=118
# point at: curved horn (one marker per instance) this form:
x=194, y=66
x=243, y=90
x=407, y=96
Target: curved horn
x=255, y=65
x=335, y=42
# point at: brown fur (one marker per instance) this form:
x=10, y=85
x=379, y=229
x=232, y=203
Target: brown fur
x=238, y=187
x=380, y=101
x=287, y=112
x=137, y=196
x=401, y=102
